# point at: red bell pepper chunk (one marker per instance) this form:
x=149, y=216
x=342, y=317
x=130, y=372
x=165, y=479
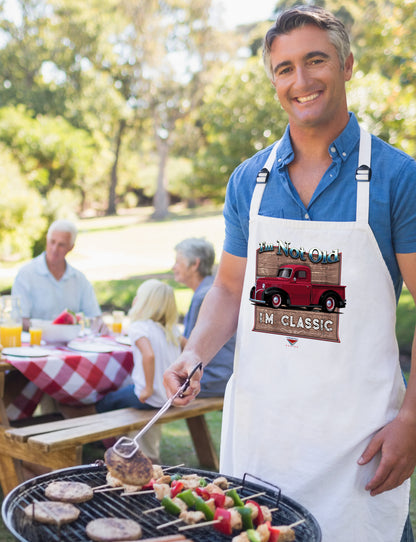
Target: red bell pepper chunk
x=203, y=493
x=176, y=487
x=274, y=532
x=149, y=485
x=224, y=523
x=219, y=499
x=260, y=517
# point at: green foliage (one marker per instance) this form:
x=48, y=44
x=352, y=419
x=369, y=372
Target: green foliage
x=158, y=71
x=406, y=321
x=240, y=116
x=48, y=149
x=21, y=210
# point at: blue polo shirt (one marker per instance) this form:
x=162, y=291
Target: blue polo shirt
x=219, y=369
x=392, y=215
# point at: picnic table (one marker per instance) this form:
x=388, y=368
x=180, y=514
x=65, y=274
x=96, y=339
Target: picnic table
x=79, y=373
x=79, y=377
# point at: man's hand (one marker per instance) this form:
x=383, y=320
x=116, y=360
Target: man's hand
x=176, y=375
x=397, y=444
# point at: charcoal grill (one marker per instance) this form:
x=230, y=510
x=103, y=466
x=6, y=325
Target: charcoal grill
x=112, y=504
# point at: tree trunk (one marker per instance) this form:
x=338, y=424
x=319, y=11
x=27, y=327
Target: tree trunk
x=111, y=207
x=161, y=197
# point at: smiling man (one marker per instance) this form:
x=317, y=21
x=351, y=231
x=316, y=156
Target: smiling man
x=326, y=418
x=49, y=284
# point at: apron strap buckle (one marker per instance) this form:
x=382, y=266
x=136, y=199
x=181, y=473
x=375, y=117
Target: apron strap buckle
x=363, y=173
x=263, y=175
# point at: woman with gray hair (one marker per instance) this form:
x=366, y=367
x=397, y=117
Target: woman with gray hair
x=193, y=267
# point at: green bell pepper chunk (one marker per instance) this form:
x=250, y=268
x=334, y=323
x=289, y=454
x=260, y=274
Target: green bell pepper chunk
x=235, y=497
x=187, y=497
x=170, y=506
x=202, y=506
x=203, y=482
x=253, y=535
x=245, y=513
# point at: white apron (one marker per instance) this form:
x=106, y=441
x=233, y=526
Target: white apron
x=302, y=406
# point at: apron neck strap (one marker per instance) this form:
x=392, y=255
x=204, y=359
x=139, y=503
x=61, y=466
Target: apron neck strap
x=362, y=176
x=262, y=178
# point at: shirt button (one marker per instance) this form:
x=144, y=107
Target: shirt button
x=344, y=154
x=333, y=149
x=307, y=216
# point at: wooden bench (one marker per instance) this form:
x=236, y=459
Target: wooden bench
x=58, y=444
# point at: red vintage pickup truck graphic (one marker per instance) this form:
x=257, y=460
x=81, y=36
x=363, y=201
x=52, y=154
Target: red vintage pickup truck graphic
x=292, y=287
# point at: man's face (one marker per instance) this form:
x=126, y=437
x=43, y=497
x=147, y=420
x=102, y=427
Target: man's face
x=182, y=270
x=58, y=244
x=308, y=77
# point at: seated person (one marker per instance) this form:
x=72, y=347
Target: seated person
x=193, y=267
x=47, y=285
x=155, y=339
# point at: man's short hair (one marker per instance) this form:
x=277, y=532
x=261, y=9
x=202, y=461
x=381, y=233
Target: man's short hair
x=300, y=16
x=63, y=226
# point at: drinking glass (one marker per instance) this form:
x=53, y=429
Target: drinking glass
x=35, y=335
x=10, y=321
x=117, y=324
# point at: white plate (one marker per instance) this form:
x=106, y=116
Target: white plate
x=90, y=346
x=124, y=339
x=26, y=351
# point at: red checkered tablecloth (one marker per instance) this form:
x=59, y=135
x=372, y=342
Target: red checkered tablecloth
x=73, y=378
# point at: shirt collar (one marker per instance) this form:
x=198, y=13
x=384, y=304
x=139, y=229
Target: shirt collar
x=43, y=269
x=344, y=144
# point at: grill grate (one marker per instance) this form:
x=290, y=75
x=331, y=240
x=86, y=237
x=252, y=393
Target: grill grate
x=111, y=504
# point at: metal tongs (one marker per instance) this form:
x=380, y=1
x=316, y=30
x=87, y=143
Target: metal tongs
x=126, y=447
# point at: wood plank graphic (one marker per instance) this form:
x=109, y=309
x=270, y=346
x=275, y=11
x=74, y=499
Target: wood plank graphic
x=297, y=323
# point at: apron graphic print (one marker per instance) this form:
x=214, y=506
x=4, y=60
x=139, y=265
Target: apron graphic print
x=297, y=292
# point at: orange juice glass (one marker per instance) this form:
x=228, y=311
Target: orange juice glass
x=10, y=335
x=35, y=335
x=117, y=327
x=117, y=324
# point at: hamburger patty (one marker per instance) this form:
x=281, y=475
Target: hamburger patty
x=69, y=492
x=136, y=470
x=52, y=512
x=110, y=529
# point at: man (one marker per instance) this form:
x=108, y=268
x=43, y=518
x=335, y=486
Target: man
x=48, y=284
x=316, y=403
x=193, y=267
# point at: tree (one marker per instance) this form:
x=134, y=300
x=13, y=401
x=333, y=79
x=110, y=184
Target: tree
x=21, y=210
x=50, y=152
x=185, y=51
x=241, y=115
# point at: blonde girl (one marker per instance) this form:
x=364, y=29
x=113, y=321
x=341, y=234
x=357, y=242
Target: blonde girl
x=154, y=336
